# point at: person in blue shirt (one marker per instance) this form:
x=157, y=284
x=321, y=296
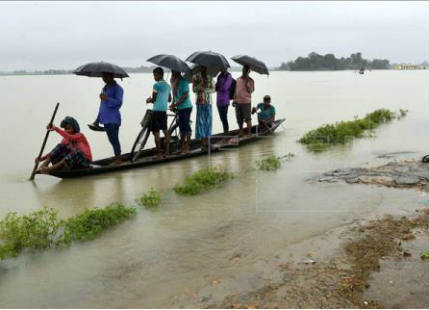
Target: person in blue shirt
x=109, y=115
x=182, y=103
x=161, y=95
x=266, y=114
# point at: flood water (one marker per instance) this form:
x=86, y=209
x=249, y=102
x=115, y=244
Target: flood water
x=182, y=253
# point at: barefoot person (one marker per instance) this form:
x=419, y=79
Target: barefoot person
x=161, y=95
x=182, y=103
x=243, y=99
x=266, y=114
x=73, y=152
x=109, y=115
x=203, y=87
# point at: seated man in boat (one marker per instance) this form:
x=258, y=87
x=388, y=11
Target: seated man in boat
x=267, y=113
x=161, y=95
x=73, y=152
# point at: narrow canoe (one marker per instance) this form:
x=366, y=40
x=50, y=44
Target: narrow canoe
x=219, y=141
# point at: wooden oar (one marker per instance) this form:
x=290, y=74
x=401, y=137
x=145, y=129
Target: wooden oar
x=44, y=143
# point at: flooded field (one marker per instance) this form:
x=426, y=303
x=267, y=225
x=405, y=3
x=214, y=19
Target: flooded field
x=195, y=250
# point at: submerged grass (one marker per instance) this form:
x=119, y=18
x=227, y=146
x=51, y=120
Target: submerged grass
x=43, y=229
x=203, y=180
x=150, y=199
x=270, y=163
x=341, y=132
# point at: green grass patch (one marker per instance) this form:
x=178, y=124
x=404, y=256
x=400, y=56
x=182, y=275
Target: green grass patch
x=424, y=255
x=150, y=199
x=270, y=163
x=43, y=229
x=203, y=180
x=321, y=138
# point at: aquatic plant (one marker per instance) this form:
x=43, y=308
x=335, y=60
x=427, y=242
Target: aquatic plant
x=37, y=230
x=90, y=223
x=424, y=255
x=203, y=180
x=151, y=199
x=402, y=113
x=43, y=229
x=270, y=163
x=321, y=138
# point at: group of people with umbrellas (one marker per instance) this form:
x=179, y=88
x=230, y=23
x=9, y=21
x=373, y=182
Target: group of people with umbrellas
x=176, y=97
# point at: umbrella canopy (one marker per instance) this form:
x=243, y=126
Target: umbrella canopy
x=96, y=69
x=209, y=59
x=253, y=63
x=171, y=62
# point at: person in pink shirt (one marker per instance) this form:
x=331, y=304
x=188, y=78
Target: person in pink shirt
x=73, y=151
x=244, y=88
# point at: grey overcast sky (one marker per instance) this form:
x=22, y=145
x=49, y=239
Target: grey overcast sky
x=43, y=35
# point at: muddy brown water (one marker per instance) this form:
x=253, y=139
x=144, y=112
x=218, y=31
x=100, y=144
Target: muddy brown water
x=205, y=247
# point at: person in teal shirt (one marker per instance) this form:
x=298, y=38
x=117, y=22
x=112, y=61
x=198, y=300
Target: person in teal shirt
x=266, y=113
x=161, y=95
x=182, y=103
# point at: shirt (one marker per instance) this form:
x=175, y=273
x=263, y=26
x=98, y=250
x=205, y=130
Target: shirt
x=202, y=90
x=181, y=87
x=266, y=113
x=223, y=84
x=76, y=141
x=109, y=109
x=162, y=90
x=243, y=90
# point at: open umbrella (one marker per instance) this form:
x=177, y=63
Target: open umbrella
x=96, y=69
x=253, y=63
x=209, y=59
x=171, y=62
x=194, y=68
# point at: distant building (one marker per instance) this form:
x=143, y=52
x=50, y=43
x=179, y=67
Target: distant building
x=409, y=67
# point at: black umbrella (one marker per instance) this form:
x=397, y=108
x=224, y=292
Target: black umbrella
x=209, y=59
x=252, y=63
x=96, y=69
x=194, y=69
x=171, y=62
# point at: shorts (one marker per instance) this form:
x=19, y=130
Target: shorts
x=184, y=119
x=159, y=121
x=243, y=112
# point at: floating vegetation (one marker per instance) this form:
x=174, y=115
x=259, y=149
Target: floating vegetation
x=270, y=163
x=342, y=132
x=424, y=255
x=151, y=199
x=89, y=224
x=203, y=180
x=402, y=113
x=43, y=229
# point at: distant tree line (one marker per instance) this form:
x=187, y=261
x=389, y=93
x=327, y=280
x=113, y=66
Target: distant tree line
x=315, y=61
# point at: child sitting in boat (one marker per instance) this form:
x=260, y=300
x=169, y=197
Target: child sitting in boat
x=267, y=113
x=73, y=151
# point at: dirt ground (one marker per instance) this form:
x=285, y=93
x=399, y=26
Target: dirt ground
x=375, y=264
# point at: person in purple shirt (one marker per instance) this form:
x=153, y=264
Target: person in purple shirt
x=223, y=85
x=109, y=115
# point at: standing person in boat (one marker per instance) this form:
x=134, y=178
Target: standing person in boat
x=266, y=114
x=243, y=99
x=73, y=152
x=109, y=115
x=182, y=103
x=161, y=95
x=203, y=87
x=223, y=86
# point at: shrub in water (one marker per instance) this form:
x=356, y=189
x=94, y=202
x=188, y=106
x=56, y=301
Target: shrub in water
x=89, y=224
x=270, y=163
x=203, y=180
x=36, y=230
x=151, y=199
x=339, y=133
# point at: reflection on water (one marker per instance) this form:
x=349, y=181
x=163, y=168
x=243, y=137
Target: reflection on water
x=166, y=256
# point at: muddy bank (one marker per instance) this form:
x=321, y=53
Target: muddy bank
x=398, y=174
x=361, y=270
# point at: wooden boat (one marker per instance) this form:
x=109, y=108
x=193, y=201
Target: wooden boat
x=218, y=142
